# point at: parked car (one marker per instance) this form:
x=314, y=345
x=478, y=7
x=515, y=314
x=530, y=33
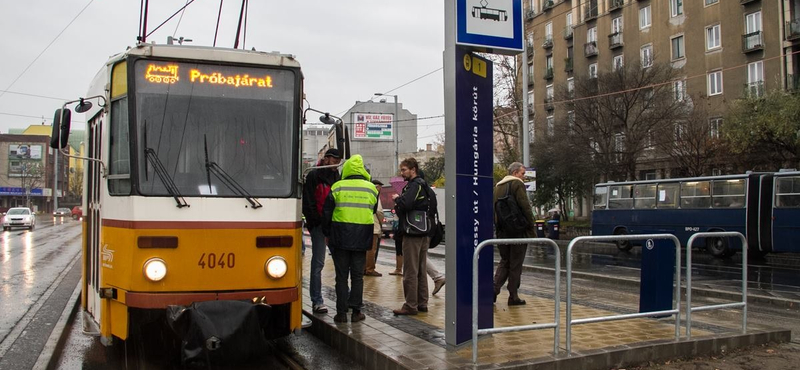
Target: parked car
x=390, y=222
x=77, y=212
x=19, y=217
x=62, y=212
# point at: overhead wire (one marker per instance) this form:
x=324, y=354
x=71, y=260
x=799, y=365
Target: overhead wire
x=170, y=17
x=179, y=20
x=45, y=49
x=219, y=15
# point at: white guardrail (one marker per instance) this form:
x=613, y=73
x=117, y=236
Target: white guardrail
x=556, y=298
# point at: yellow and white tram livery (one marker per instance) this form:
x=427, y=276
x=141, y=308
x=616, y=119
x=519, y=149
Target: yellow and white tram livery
x=192, y=188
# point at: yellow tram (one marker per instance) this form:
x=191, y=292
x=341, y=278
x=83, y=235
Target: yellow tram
x=192, y=186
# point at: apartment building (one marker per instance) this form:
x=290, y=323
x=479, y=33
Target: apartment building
x=722, y=49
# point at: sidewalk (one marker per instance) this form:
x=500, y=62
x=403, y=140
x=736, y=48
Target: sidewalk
x=385, y=341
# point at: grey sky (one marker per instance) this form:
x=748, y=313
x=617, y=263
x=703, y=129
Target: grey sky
x=348, y=49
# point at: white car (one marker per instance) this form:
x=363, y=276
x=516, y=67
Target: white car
x=19, y=217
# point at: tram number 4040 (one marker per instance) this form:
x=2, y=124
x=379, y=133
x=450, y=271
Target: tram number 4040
x=213, y=260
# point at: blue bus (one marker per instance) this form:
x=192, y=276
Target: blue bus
x=765, y=207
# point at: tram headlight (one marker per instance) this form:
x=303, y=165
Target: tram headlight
x=155, y=269
x=276, y=267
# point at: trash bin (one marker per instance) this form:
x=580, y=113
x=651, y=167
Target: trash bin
x=657, y=276
x=553, y=226
x=539, y=228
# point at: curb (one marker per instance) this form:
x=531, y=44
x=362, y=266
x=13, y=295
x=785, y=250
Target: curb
x=57, y=337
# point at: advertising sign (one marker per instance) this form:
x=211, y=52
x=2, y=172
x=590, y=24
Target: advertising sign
x=25, y=151
x=373, y=126
x=494, y=25
x=474, y=187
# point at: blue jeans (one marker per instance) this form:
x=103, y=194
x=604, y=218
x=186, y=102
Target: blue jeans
x=317, y=264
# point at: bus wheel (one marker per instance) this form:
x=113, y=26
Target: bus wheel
x=623, y=245
x=718, y=247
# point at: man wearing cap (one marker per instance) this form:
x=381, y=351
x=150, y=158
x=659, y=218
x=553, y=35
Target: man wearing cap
x=369, y=268
x=315, y=191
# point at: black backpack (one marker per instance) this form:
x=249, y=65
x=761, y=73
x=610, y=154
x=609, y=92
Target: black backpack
x=509, y=215
x=436, y=231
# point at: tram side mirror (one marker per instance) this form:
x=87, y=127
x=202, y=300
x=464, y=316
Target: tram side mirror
x=60, y=133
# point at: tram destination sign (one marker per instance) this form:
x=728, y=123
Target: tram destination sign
x=490, y=25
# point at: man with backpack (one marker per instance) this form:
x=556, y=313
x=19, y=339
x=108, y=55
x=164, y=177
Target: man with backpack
x=513, y=219
x=413, y=209
x=315, y=191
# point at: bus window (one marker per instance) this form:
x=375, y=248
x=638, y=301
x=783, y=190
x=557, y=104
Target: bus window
x=620, y=197
x=668, y=195
x=788, y=192
x=728, y=193
x=644, y=196
x=696, y=194
x=600, y=197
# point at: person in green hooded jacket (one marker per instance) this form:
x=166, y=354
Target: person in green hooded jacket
x=347, y=222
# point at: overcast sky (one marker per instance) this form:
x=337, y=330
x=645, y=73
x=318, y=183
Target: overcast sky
x=348, y=49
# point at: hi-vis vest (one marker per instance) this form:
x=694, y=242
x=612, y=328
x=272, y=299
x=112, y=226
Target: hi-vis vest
x=355, y=201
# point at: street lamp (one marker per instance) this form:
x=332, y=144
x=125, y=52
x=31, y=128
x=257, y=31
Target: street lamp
x=396, y=132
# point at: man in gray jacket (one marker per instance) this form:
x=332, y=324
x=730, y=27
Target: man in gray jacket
x=512, y=256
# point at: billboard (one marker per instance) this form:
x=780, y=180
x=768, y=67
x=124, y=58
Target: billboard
x=25, y=151
x=25, y=160
x=373, y=126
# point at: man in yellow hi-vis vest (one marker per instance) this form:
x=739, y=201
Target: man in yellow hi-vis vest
x=347, y=222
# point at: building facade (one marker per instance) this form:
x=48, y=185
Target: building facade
x=370, y=126
x=27, y=172
x=721, y=50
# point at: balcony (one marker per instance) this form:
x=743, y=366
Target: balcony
x=793, y=83
x=530, y=14
x=530, y=51
x=615, y=4
x=752, y=42
x=530, y=79
x=591, y=13
x=746, y=1
x=590, y=49
x=615, y=40
x=567, y=64
x=548, y=103
x=793, y=29
x=548, y=42
x=567, y=32
x=548, y=73
x=754, y=89
x=549, y=4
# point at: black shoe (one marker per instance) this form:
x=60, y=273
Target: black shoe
x=516, y=302
x=495, y=298
x=422, y=308
x=340, y=317
x=357, y=316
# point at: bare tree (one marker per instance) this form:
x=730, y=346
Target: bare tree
x=507, y=109
x=32, y=177
x=616, y=112
x=694, y=144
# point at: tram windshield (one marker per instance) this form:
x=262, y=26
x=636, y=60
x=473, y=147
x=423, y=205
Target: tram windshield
x=239, y=118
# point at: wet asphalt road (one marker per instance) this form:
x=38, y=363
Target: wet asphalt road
x=33, y=265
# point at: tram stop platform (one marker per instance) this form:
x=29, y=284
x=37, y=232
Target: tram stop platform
x=384, y=341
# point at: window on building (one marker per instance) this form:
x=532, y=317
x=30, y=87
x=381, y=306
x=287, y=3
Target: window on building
x=710, y=2
x=677, y=47
x=644, y=17
x=549, y=63
x=551, y=125
x=569, y=19
x=593, y=70
x=714, y=125
x=591, y=34
x=755, y=79
x=676, y=7
x=571, y=121
x=752, y=22
x=679, y=90
x=647, y=56
x=530, y=73
x=531, y=131
x=548, y=31
x=618, y=62
x=616, y=25
x=530, y=99
x=549, y=93
x=715, y=83
x=679, y=131
x=713, y=37
x=571, y=86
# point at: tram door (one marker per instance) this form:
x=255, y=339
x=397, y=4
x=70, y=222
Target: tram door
x=92, y=248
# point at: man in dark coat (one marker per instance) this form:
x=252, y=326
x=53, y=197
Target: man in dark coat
x=512, y=256
x=315, y=191
x=347, y=221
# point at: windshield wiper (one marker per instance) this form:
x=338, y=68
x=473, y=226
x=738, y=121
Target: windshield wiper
x=162, y=173
x=213, y=167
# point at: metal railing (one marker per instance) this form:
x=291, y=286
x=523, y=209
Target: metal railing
x=615, y=40
x=752, y=41
x=557, y=298
x=677, y=283
x=689, y=308
x=590, y=49
x=615, y=4
x=793, y=29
